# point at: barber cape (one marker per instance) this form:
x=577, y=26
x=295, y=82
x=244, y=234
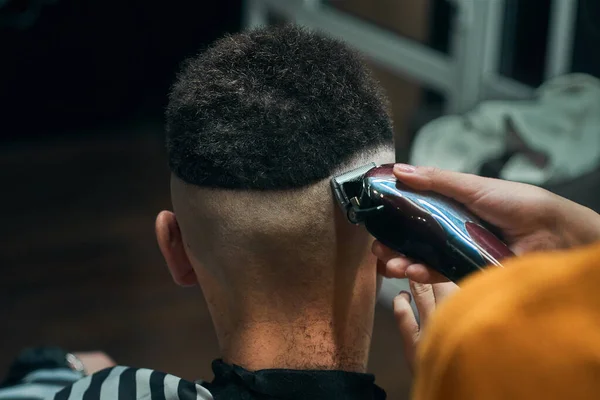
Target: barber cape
x=230, y=382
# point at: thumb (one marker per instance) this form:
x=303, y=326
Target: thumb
x=464, y=188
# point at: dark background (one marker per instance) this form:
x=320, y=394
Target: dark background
x=83, y=172
x=86, y=62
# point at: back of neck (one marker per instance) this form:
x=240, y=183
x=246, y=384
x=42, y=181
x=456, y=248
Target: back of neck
x=304, y=344
x=280, y=329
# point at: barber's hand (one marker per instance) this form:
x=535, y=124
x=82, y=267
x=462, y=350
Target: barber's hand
x=530, y=218
x=426, y=298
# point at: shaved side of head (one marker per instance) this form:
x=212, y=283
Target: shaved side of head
x=254, y=227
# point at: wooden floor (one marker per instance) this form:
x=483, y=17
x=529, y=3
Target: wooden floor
x=81, y=269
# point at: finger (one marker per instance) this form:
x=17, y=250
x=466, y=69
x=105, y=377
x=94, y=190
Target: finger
x=442, y=290
x=424, y=300
x=464, y=188
x=423, y=274
x=407, y=325
x=396, y=267
x=390, y=264
x=383, y=252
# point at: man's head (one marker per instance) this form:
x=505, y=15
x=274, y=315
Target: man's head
x=257, y=125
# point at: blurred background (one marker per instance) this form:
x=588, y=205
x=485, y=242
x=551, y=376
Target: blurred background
x=83, y=86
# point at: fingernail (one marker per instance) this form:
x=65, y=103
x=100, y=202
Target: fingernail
x=406, y=295
x=404, y=168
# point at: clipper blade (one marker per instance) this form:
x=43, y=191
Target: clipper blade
x=338, y=182
x=355, y=174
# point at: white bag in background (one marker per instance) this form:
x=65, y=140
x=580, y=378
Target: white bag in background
x=562, y=122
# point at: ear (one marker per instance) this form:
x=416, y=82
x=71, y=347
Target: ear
x=172, y=247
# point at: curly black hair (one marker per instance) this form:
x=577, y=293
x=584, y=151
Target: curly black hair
x=273, y=108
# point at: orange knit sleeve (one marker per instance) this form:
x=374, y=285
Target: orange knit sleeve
x=528, y=331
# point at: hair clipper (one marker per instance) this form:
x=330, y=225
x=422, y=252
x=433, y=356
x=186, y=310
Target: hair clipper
x=424, y=226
